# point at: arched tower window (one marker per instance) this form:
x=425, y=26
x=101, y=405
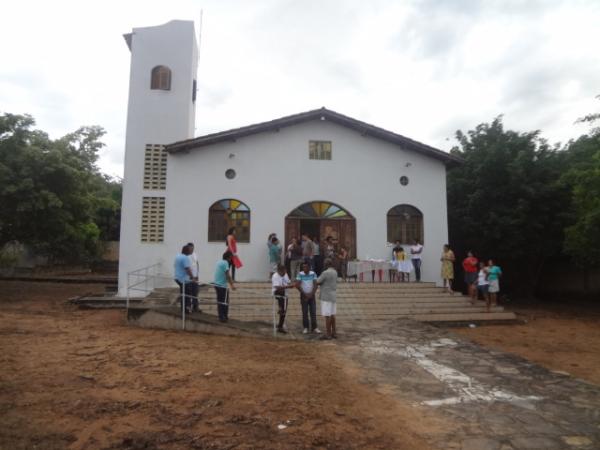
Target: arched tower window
x=225, y=214
x=161, y=78
x=404, y=224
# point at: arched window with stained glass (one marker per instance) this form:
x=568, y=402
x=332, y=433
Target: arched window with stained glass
x=320, y=210
x=227, y=213
x=404, y=224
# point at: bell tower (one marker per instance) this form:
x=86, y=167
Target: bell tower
x=160, y=111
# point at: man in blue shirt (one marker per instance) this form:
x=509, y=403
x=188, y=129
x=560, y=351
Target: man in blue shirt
x=185, y=279
x=222, y=277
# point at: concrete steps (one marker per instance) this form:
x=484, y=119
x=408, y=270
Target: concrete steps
x=356, y=301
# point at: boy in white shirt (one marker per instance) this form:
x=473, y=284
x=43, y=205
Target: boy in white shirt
x=280, y=282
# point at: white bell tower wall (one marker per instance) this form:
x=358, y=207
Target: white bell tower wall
x=161, y=110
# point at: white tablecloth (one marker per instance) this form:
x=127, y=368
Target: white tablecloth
x=366, y=268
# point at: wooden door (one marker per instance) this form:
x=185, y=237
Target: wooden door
x=329, y=228
x=292, y=230
x=348, y=236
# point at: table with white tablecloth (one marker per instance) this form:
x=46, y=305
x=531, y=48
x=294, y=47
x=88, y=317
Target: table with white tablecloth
x=370, y=270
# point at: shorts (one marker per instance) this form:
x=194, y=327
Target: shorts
x=483, y=288
x=470, y=277
x=328, y=308
x=494, y=286
x=274, y=267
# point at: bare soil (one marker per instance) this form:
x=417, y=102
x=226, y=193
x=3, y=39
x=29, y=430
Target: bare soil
x=560, y=336
x=82, y=379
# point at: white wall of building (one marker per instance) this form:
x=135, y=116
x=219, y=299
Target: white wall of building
x=275, y=175
x=153, y=117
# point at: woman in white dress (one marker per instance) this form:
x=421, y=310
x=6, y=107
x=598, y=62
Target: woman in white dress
x=395, y=271
x=404, y=265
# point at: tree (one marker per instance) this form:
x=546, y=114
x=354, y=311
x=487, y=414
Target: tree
x=506, y=202
x=51, y=190
x=582, y=238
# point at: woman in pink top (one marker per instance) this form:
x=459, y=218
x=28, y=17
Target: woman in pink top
x=231, y=243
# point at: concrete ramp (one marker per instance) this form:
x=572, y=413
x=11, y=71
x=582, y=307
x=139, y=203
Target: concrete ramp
x=169, y=318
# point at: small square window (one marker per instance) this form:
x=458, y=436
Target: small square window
x=319, y=150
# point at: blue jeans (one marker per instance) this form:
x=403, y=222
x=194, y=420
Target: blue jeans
x=222, y=302
x=308, y=305
x=191, y=295
x=417, y=265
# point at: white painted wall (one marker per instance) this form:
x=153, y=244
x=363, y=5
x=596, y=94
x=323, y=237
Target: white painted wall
x=153, y=117
x=275, y=175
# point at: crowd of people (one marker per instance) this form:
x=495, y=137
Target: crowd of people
x=482, y=279
x=310, y=274
x=314, y=267
x=307, y=250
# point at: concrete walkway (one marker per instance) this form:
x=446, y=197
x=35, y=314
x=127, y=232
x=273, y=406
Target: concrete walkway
x=492, y=400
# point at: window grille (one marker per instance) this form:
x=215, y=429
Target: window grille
x=153, y=219
x=155, y=167
x=319, y=150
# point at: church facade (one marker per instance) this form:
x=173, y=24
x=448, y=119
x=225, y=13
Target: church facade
x=317, y=172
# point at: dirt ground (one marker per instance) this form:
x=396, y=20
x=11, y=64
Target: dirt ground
x=82, y=379
x=560, y=336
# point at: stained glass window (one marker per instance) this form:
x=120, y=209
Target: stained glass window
x=319, y=210
x=223, y=215
x=404, y=224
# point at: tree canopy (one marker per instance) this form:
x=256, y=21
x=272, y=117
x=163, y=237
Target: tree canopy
x=519, y=200
x=53, y=197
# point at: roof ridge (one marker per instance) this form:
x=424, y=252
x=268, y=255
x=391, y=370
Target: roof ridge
x=366, y=129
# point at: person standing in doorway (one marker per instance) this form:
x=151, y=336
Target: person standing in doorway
x=329, y=248
x=317, y=256
x=343, y=262
x=470, y=264
x=195, y=266
x=327, y=282
x=231, y=243
x=308, y=250
x=447, y=260
x=222, y=278
x=184, y=278
x=305, y=283
x=280, y=282
x=274, y=256
x=295, y=252
x=415, y=255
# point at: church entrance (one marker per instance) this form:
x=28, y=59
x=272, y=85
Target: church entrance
x=322, y=219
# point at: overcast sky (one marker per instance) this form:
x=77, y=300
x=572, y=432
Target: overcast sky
x=419, y=68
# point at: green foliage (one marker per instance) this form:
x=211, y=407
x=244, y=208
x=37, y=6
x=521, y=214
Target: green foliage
x=582, y=240
x=506, y=201
x=52, y=196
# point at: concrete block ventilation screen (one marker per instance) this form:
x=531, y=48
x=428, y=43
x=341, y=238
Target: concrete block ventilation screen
x=153, y=219
x=155, y=167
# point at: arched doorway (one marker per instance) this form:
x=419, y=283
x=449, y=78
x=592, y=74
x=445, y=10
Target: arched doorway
x=322, y=218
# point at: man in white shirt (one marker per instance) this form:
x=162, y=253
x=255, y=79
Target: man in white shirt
x=194, y=266
x=305, y=283
x=280, y=282
x=327, y=282
x=415, y=256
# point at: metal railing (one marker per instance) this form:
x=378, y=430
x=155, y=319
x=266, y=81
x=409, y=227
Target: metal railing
x=147, y=279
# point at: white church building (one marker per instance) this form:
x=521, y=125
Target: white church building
x=317, y=172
